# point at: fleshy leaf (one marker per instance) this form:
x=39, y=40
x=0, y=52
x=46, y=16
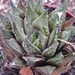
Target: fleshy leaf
x=32, y=3
x=6, y=23
x=18, y=62
x=34, y=36
x=17, y=11
x=26, y=71
x=61, y=70
x=33, y=61
x=53, y=36
x=68, y=33
x=39, y=8
x=31, y=15
x=29, y=30
x=57, y=17
x=69, y=57
x=56, y=60
x=46, y=69
x=20, y=6
x=14, y=45
x=17, y=27
x=49, y=52
x=5, y=48
x=41, y=41
x=7, y=34
x=30, y=48
x=41, y=23
x=64, y=33
x=65, y=64
x=71, y=28
x=68, y=23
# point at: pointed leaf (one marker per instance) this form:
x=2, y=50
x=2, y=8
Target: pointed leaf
x=57, y=17
x=5, y=21
x=38, y=71
x=31, y=15
x=30, y=48
x=20, y=6
x=71, y=28
x=29, y=30
x=68, y=33
x=39, y=8
x=7, y=34
x=64, y=33
x=68, y=23
x=53, y=37
x=49, y=52
x=26, y=71
x=17, y=28
x=56, y=60
x=18, y=62
x=34, y=36
x=14, y=45
x=17, y=11
x=46, y=69
x=32, y=3
x=41, y=23
x=33, y=61
x=68, y=58
x=61, y=70
x=65, y=62
x=5, y=48
x=40, y=42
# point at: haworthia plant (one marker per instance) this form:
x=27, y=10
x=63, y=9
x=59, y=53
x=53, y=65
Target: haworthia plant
x=30, y=36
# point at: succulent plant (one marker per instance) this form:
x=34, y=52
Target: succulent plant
x=34, y=40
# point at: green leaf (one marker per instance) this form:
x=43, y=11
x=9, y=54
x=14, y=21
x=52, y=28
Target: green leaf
x=14, y=45
x=57, y=17
x=41, y=24
x=33, y=61
x=18, y=62
x=31, y=15
x=6, y=23
x=17, y=11
x=46, y=69
x=53, y=37
x=56, y=60
x=29, y=30
x=39, y=7
x=60, y=60
x=21, y=7
x=31, y=3
x=7, y=34
x=68, y=58
x=17, y=27
x=41, y=41
x=30, y=48
x=64, y=33
x=68, y=33
x=49, y=52
x=7, y=50
x=71, y=28
x=34, y=36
